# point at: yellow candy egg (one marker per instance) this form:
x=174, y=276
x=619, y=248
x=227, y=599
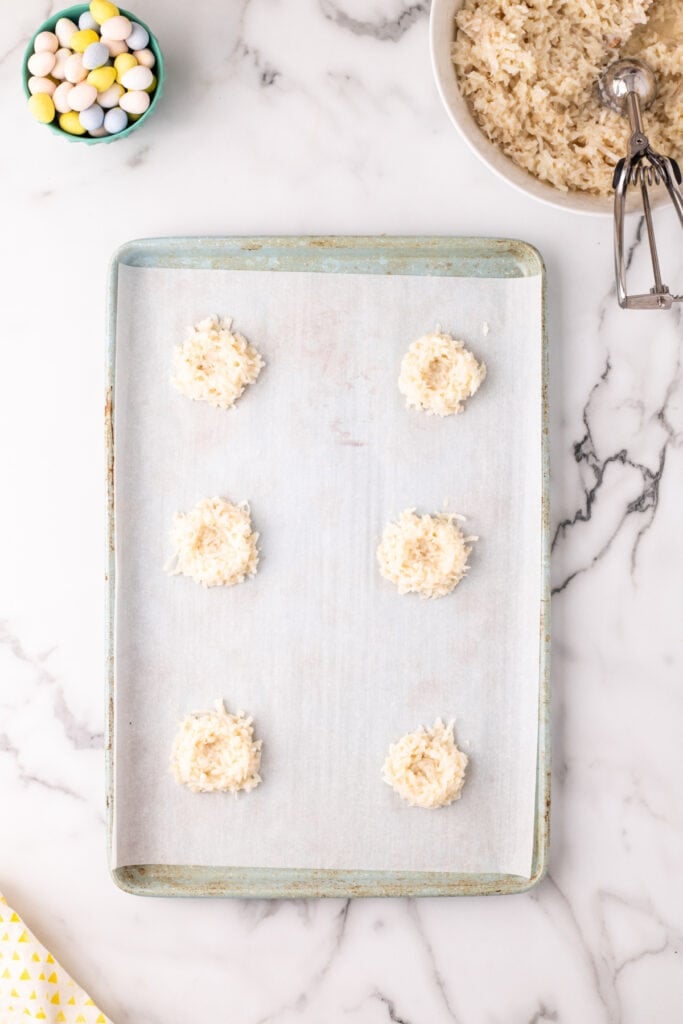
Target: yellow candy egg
x=42, y=107
x=124, y=62
x=153, y=84
x=81, y=40
x=70, y=122
x=102, y=78
x=102, y=10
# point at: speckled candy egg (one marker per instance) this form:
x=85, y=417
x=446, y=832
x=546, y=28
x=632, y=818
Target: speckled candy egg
x=74, y=70
x=145, y=57
x=46, y=41
x=115, y=46
x=41, y=64
x=82, y=96
x=137, y=78
x=83, y=39
x=70, y=123
x=65, y=29
x=60, y=97
x=115, y=121
x=61, y=57
x=42, y=107
x=103, y=10
x=118, y=27
x=95, y=56
x=110, y=97
x=102, y=78
x=135, y=102
x=92, y=118
x=86, y=20
x=36, y=85
x=138, y=38
x=124, y=62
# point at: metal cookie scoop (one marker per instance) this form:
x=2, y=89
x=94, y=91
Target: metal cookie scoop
x=628, y=86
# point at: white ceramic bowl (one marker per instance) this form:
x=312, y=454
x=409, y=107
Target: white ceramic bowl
x=441, y=32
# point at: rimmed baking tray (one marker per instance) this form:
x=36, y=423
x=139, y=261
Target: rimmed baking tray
x=472, y=266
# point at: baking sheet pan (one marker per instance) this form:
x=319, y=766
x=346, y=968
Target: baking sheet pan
x=331, y=662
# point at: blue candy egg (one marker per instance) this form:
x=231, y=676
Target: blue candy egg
x=92, y=118
x=115, y=120
x=138, y=38
x=86, y=20
x=95, y=56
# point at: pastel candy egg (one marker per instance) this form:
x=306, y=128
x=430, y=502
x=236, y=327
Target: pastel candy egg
x=135, y=102
x=61, y=57
x=152, y=85
x=60, y=97
x=74, y=70
x=102, y=10
x=102, y=78
x=115, y=120
x=82, y=96
x=118, y=27
x=36, y=85
x=41, y=64
x=98, y=133
x=42, y=107
x=137, y=78
x=95, y=56
x=111, y=97
x=145, y=57
x=138, y=38
x=46, y=41
x=86, y=20
x=92, y=118
x=115, y=46
x=82, y=39
x=124, y=62
x=70, y=123
x=65, y=30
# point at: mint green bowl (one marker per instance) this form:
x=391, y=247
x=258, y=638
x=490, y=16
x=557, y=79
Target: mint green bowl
x=74, y=14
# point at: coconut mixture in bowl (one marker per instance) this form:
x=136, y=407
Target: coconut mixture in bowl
x=529, y=72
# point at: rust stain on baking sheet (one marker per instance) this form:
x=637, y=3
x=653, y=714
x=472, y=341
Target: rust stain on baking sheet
x=344, y=436
x=109, y=449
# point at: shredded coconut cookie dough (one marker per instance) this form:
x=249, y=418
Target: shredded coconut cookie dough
x=425, y=555
x=425, y=767
x=214, y=544
x=215, y=751
x=529, y=73
x=438, y=374
x=215, y=364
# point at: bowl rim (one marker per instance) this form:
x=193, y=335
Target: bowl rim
x=442, y=13
x=74, y=12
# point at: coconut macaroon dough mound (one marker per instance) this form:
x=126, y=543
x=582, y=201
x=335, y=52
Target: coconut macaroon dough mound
x=424, y=554
x=438, y=374
x=214, y=544
x=425, y=767
x=215, y=364
x=215, y=752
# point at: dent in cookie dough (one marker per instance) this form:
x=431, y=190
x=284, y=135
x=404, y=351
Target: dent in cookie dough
x=215, y=751
x=438, y=374
x=425, y=767
x=424, y=554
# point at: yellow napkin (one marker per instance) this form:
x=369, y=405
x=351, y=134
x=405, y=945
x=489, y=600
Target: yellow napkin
x=33, y=986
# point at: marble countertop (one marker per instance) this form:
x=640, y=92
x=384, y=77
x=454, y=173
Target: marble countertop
x=320, y=116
